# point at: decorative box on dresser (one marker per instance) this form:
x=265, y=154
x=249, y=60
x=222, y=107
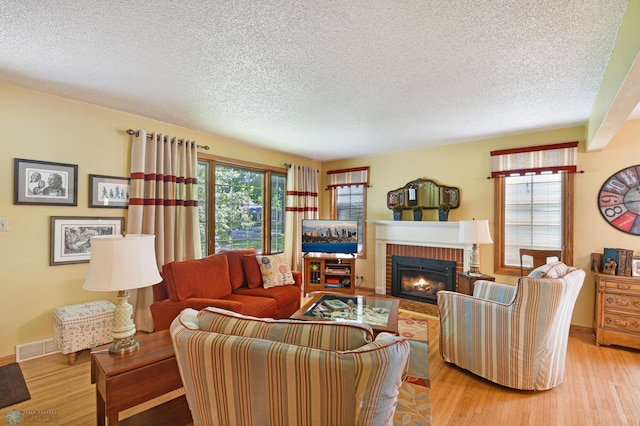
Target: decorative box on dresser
x=617, y=318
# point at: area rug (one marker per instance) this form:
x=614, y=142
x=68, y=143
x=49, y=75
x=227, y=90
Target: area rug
x=13, y=388
x=414, y=402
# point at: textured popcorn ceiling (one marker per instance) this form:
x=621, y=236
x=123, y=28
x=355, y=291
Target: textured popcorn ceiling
x=323, y=79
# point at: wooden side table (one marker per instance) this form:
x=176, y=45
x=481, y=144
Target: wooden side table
x=465, y=282
x=124, y=381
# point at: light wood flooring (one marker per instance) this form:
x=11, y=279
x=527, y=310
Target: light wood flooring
x=601, y=387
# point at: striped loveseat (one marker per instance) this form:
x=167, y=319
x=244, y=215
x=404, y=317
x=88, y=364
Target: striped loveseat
x=515, y=336
x=240, y=370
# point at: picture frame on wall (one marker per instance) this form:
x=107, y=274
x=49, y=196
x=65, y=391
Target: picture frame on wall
x=71, y=236
x=635, y=267
x=109, y=191
x=44, y=183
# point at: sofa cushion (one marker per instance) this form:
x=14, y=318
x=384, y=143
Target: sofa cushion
x=283, y=295
x=333, y=335
x=252, y=271
x=275, y=270
x=206, y=278
x=236, y=266
x=263, y=307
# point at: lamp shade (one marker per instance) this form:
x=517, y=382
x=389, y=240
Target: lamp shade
x=474, y=232
x=122, y=263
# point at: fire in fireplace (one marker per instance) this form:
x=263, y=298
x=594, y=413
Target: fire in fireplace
x=421, y=279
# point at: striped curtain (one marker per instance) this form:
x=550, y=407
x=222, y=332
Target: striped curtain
x=164, y=202
x=301, y=203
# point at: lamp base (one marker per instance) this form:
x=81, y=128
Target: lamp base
x=474, y=260
x=123, y=327
x=124, y=346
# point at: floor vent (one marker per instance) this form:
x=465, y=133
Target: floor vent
x=36, y=349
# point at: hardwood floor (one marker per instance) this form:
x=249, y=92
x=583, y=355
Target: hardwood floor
x=601, y=387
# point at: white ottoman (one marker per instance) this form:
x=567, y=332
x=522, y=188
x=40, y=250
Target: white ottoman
x=82, y=326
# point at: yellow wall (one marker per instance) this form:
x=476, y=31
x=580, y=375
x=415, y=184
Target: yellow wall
x=39, y=126
x=467, y=166
x=50, y=128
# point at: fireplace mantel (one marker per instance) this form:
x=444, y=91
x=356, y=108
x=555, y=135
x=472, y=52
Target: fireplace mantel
x=413, y=233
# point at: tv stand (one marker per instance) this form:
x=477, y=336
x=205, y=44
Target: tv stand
x=329, y=272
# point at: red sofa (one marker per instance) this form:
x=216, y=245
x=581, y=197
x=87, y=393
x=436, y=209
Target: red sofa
x=229, y=280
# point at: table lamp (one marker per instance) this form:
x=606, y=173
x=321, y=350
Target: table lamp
x=120, y=264
x=474, y=232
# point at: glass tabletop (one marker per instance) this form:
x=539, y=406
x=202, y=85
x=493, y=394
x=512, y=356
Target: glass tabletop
x=351, y=309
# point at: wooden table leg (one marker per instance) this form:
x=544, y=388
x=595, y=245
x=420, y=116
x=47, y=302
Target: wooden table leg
x=100, y=409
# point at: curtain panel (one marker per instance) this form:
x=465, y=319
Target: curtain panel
x=554, y=158
x=301, y=203
x=164, y=202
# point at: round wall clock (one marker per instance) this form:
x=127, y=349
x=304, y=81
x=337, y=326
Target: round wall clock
x=619, y=200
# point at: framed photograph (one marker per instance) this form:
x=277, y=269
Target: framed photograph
x=108, y=192
x=71, y=236
x=635, y=267
x=44, y=183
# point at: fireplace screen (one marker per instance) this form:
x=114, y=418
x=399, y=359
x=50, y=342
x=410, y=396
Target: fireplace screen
x=421, y=279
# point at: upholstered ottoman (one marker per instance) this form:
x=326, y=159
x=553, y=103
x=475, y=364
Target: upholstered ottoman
x=82, y=326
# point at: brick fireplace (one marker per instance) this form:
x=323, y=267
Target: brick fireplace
x=425, y=239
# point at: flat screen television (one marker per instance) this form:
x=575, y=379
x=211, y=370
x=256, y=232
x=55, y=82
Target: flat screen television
x=329, y=236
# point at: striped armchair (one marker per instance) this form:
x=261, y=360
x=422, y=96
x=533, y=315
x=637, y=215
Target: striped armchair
x=240, y=370
x=515, y=336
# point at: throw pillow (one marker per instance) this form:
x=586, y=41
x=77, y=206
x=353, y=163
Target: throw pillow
x=275, y=270
x=236, y=267
x=252, y=271
x=549, y=270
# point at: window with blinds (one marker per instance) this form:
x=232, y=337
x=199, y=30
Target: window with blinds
x=350, y=206
x=532, y=214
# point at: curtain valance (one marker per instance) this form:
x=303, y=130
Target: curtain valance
x=348, y=177
x=555, y=158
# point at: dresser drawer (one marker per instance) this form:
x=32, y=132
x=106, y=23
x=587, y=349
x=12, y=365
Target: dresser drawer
x=626, y=287
x=622, y=301
x=622, y=321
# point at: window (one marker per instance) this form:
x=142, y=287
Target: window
x=240, y=207
x=348, y=199
x=534, y=206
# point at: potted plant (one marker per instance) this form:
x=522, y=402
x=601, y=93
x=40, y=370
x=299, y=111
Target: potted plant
x=417, y=213
x=443, y=212
x=397, y=211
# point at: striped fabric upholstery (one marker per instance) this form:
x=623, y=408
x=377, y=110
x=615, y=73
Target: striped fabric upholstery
x=519, y=343
x=238, y=380
x=489, y=290
x=315, y=334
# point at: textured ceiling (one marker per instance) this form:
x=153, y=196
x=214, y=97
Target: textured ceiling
x=325, y=79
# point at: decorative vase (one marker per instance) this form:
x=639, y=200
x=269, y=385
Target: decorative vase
x=443, y=216
x=417, y=216
x=397, y=215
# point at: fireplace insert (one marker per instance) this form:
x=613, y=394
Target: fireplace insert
x=421, y=279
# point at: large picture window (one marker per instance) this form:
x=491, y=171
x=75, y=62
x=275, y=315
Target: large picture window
x=240, y=206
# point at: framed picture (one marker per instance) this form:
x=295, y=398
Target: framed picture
x=71, y=236
x=108, y=191
x=635, y=267
x=44, y=183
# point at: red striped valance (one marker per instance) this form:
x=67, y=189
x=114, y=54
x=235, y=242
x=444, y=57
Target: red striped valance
x=348, y=177
x=555, y=158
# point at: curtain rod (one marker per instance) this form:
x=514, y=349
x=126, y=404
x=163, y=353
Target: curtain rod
x=578, y=172
x=289, y=165
x=133, y=132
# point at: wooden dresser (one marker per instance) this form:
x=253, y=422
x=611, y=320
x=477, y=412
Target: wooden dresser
x=617, y=319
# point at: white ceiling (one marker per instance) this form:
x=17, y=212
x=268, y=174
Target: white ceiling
x=322, y=79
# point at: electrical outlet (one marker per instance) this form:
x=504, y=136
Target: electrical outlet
x=4, y=224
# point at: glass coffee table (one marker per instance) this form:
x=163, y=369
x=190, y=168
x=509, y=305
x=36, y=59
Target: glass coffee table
x=381, y=314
